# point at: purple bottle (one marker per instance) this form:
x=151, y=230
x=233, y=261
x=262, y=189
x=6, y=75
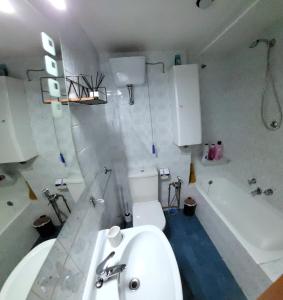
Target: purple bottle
x=211, y=152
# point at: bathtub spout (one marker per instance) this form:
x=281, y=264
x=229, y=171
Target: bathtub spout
x=256, y=192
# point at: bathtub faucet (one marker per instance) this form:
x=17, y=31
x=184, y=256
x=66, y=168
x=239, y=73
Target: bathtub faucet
x=53, y=199
x=257, y=191
x=268, y=192
x=252, y=181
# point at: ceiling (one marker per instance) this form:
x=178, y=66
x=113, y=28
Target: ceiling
x=20, y=31
x=125, y=25
x=132, y=25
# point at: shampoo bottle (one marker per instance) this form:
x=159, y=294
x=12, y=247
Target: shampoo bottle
x=211, y=152
x=218, y=151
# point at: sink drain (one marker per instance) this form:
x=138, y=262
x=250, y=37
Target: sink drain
x=134, y=284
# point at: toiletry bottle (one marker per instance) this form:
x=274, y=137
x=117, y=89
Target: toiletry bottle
x=218, y=151
x=211, y=152
x=205, y=152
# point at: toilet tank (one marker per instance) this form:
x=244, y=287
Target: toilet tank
x=143, y=184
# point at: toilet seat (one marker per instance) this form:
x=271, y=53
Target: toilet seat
x=148, y=213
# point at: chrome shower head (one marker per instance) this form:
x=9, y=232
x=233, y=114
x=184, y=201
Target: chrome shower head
x=269, y=43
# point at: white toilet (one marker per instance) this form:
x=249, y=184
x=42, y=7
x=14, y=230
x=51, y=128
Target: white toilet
x=147, y=209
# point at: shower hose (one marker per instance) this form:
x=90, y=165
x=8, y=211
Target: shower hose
x=274, y=125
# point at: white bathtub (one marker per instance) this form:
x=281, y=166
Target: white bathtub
x=16, y=233
x=17, y=195
x=253, y=221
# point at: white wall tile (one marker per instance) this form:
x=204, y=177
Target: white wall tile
x=231, y=88
x=134, y=121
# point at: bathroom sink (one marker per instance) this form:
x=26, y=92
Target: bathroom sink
x=24, y=274
x=151, y=269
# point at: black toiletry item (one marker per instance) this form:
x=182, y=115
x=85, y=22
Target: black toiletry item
x=3, y=70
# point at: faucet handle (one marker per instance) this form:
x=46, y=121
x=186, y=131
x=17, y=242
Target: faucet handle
x=112, y=271
x=107, y=170
x=268, y=192
x=252, y=181
x=100, y=268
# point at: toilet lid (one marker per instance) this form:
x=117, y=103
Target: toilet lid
x=148, y=213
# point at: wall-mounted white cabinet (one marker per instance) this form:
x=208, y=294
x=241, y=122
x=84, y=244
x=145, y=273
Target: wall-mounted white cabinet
x=185, y=99
x=17, y=143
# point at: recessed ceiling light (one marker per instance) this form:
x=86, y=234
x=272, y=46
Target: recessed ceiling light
x=6, y=7
x=59, y=4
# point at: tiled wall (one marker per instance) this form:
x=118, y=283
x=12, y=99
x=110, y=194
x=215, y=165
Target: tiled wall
x=135, y=124
x=231, y=88
x=94, y=128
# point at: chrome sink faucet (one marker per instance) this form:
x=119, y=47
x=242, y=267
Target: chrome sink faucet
x=257, y=191
x=104, y=273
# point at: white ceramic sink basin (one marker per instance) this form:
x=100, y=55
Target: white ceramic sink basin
x=19, y=283
x=149, y=258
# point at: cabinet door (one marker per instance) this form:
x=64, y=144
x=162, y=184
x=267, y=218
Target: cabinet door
x=15, y=130
x=188, y=104
x=8, y=148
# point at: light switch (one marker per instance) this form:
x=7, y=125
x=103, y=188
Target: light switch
x=54, y=88
x=51, y=66
x=48, y=44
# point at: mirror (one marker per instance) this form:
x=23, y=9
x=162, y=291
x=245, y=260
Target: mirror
x=37, y=150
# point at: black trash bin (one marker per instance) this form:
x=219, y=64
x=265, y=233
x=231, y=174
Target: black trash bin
x=190, y=206
x=44, y=226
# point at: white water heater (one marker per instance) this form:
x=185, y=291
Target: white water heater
x=17, y=143
x=185, y=104
x=128, y=72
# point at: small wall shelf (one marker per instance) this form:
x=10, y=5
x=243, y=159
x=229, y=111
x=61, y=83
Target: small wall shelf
x=79, y=89
x=83, y=100
x=208, y=163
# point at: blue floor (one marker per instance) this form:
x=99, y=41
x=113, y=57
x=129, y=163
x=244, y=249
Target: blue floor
x=204, y=274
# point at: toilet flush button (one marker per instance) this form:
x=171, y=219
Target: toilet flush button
x=164, y=173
